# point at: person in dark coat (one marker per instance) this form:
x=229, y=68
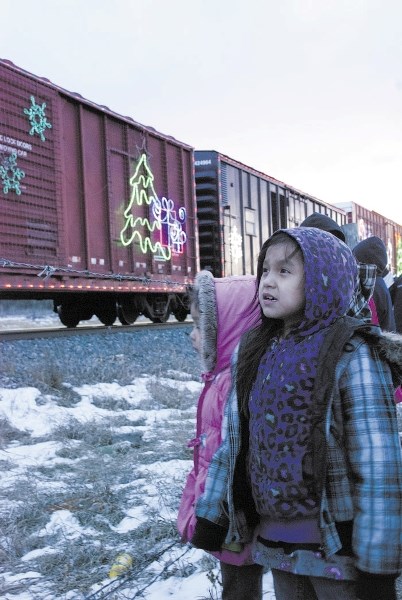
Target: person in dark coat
x=396, y=296
x=324, y=223
x=372, y=250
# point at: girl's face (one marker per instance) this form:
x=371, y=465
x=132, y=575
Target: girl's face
x=195, y=335
x=281, y=290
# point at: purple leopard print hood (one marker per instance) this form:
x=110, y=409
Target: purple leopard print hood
x=331, y=273
x=281, y=400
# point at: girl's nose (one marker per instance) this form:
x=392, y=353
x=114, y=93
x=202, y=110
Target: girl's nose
x=269, y=279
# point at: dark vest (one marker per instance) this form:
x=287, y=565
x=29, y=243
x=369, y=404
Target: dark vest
x=337, y=341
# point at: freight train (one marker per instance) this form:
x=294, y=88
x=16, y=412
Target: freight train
x=108, y=217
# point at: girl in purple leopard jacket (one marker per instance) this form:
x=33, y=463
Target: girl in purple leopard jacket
x=327, y=533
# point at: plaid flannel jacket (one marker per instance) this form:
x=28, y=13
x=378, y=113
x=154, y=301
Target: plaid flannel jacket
x=364, y=465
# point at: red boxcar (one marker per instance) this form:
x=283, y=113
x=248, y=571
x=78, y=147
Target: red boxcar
x=97, y=211
x=363, y=223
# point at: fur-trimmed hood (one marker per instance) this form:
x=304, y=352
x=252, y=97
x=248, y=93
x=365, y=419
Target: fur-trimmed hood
x=228, y=307
x=390, y=348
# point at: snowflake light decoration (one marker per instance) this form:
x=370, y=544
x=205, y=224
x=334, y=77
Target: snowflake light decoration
x=37, y=118
x=235, y=244
x=11, y=174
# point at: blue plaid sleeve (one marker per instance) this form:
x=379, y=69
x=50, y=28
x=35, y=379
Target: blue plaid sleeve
x=374, y=455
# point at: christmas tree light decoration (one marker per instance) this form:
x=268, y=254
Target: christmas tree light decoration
x=162, y=233
x=11, y=174
x=37, y=118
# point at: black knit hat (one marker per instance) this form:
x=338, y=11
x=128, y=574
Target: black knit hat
x=372, y=251
x=325, y=223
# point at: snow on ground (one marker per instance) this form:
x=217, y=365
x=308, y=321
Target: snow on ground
x=27, y=410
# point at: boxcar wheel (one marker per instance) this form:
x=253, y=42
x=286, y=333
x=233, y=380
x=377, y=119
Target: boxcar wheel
x=181, y=314
x=106, y=310
x=127, y=314
x=68, y=315
x=106, y=317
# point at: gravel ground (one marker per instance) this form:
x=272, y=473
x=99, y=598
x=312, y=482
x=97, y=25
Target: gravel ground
x=106, y=356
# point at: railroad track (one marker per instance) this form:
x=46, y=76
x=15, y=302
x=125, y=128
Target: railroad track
x=51, y=332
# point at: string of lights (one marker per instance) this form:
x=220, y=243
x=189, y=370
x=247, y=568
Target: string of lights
x=47, y=271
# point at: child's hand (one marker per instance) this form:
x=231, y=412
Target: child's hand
x=208, y=536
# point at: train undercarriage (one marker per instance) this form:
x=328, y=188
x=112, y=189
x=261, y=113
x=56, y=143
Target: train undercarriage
x=108, y=308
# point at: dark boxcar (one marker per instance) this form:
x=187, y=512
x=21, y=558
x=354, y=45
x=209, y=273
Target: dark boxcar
x=239, y=208
x=101, y=207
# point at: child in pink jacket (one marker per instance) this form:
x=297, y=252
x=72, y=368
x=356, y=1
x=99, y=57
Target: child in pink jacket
x=222, y=310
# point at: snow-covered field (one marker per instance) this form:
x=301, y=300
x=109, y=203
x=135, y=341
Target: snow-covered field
x=93, y=457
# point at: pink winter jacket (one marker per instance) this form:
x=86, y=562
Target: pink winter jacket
x=228, y=307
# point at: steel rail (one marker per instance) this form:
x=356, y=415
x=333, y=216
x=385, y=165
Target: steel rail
x=52, y=332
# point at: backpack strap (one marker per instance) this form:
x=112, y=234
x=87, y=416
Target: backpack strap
x=335, y=343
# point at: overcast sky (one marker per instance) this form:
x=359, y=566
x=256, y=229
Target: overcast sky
x=308, y=91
